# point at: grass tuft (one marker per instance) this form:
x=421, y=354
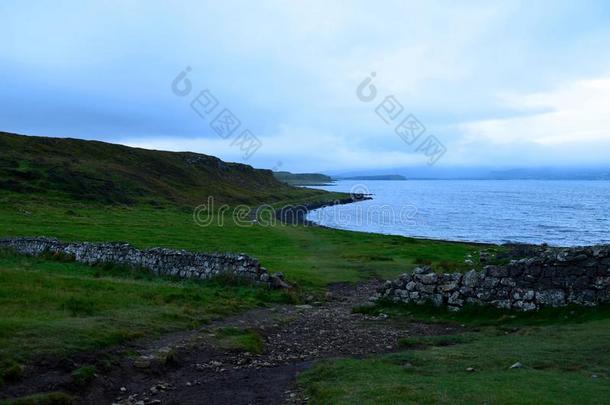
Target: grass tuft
x=83, y=376
x=242, y=340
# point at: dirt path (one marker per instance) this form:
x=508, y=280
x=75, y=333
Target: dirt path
x=188, y=368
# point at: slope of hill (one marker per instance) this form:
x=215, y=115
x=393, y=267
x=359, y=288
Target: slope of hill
x=303, y=179
x=110, y=173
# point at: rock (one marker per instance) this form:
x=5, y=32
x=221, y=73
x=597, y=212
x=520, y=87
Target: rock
x=158, y=261
x=421, y=270
x=471, y=279
x=144, y=361
x=455, y=299
x=547, y=277
x=471, y=369
x=496, y=271
x=552, y=298
x=328, y=296
x=516, y=365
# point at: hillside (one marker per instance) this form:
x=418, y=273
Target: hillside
x=302, y=179
x=110, y=173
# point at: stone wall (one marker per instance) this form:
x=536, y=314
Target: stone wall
x=160, y=261
x=552, y=278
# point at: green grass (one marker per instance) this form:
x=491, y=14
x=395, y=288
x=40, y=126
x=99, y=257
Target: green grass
x=51, y=308
x=309, y=256
x=93, y=171
x=560, y=363
x=83, y=375
x=476, y=315
x=235, y=339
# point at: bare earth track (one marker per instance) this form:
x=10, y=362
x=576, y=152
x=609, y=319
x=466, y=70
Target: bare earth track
x=195, y=371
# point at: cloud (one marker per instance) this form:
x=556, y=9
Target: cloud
x=576, y=112
x=297, y=147
x=289, y=70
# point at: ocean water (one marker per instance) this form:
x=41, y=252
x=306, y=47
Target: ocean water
x=560, y=213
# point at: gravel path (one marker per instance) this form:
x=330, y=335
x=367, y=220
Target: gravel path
x=189, y=368
x=295, y=337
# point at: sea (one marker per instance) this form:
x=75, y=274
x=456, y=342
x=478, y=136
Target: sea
x=559, y=213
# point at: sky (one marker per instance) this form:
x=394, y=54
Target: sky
x=502, y=84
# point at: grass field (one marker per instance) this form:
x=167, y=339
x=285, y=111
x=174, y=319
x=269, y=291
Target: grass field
x=309, y=256
x=55, y=308
x=52, y=309
x=563, y=364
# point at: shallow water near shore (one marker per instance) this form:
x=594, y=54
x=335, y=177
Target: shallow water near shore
x=560, y=213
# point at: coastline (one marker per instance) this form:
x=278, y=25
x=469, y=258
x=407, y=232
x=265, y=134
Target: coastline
x=297, y=214
x=565, y=222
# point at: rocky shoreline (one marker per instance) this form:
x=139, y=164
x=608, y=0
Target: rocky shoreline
x=297, y=214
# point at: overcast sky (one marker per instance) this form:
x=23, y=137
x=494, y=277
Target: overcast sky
x=497, y=83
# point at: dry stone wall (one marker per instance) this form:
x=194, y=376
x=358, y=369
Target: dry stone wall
x=160, y=261
x=552, y=278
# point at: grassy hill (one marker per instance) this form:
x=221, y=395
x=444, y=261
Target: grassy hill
x=302, y=179
x=109, y=173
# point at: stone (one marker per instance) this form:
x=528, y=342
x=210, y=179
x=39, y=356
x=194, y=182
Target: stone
x=551, y=298
x=455, y=299
x=427, y=288
x=158, y=261
x=437, y=300
x=471, y=278
x=421, y=270
x=489, y=282
x=502, y=304
x=524, y=306
x=508, y=282
x=523, y=294
x=516, y=366
x=144, y=361
x=429, y=278
x=496, y=271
